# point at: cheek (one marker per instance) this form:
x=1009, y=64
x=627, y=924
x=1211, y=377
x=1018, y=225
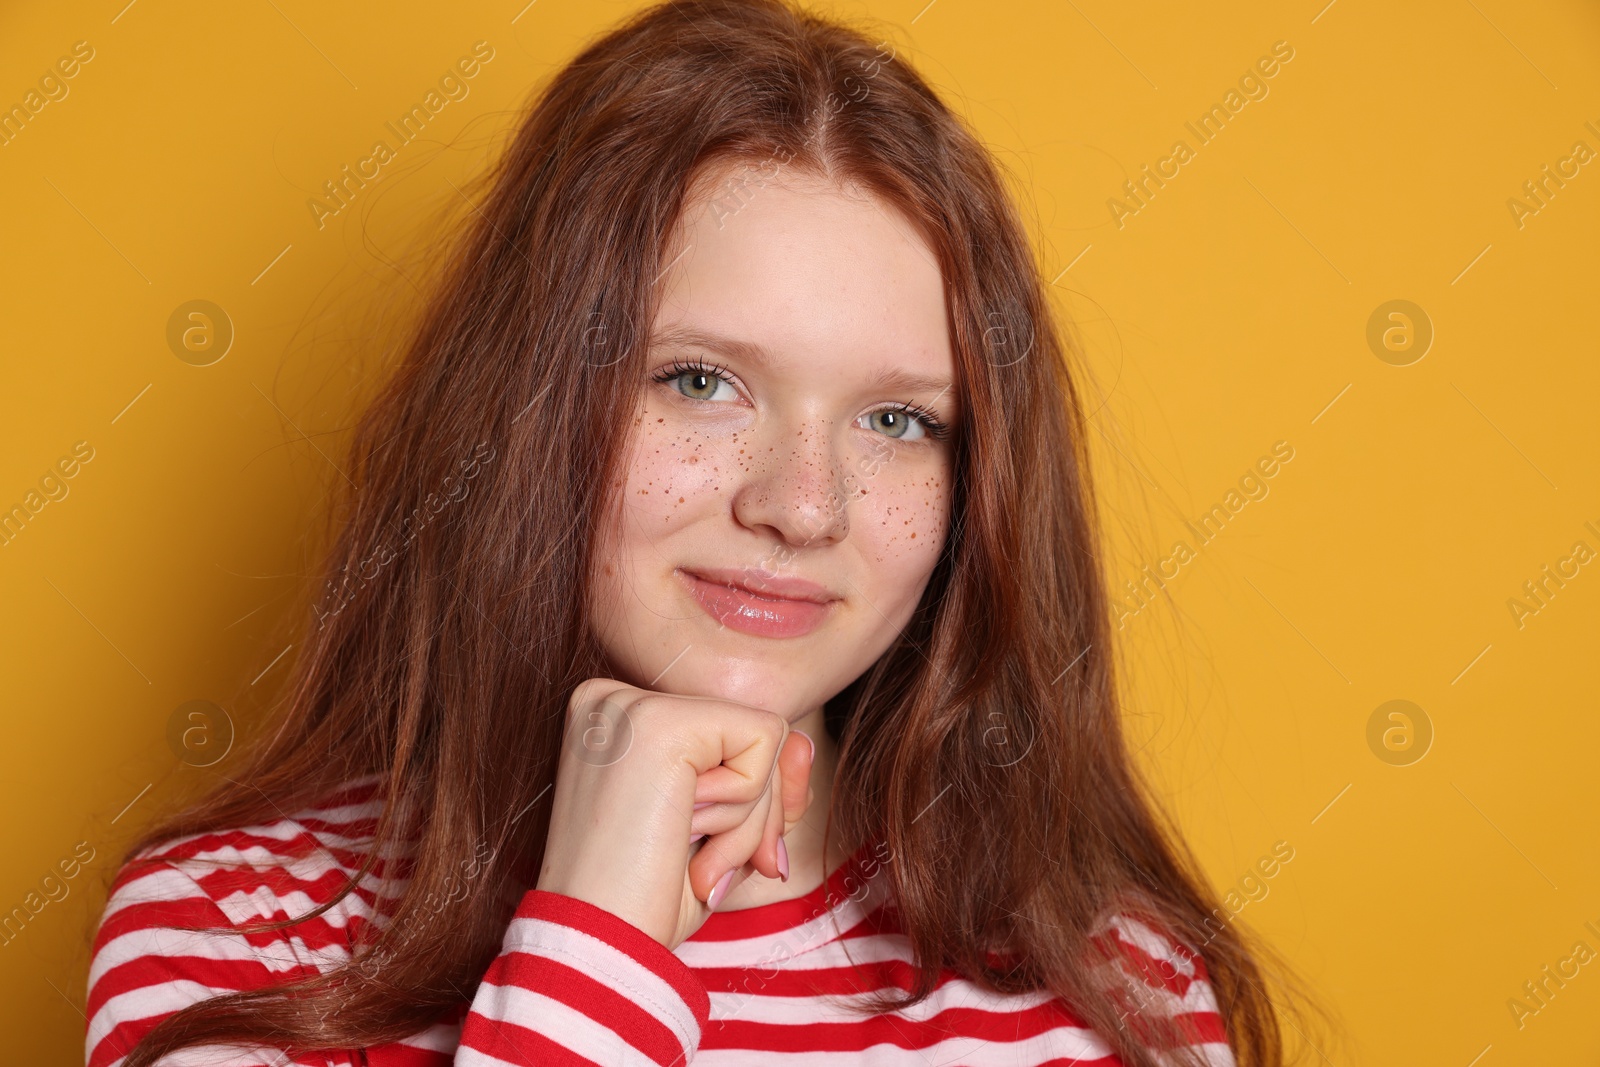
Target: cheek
x=901, y=522
x=672, y=474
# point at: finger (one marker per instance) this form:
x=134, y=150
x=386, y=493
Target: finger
x=795, y=760
x=732, y=755
x=772, y=858
x=733, y=849
x=768, y=858
x=796, y=757
x=792, y=788
x=772, y=840
x=794, y=771
x=704, y=897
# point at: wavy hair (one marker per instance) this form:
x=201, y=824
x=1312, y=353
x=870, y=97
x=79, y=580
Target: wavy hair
x=446, y=641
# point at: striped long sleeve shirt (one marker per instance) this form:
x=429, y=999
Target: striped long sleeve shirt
x=575, y=984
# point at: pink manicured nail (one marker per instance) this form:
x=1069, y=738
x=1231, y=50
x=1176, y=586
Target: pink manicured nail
x=704, y=804
x=695, y=837
x=719, y=891
x=810, y=742
x=783, y=860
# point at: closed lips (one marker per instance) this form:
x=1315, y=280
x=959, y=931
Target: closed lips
x=777, y=589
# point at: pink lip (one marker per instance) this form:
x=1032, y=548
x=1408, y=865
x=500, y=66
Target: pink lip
x=759, y=604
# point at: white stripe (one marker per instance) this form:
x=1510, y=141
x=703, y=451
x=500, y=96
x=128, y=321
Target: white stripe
x=146, y=1002
x=163, y=941
x=440, y=1037
x=755, y=1006
x=870, y=948
x=471, y=1057
x=240, y=1055
x=1052, y=1044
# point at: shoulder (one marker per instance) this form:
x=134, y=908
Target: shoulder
x=1161, y=975
x=200, y=896
x=178, y=924
x=1150, y=949
x=282, y=867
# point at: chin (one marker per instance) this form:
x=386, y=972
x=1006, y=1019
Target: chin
x=785, y=690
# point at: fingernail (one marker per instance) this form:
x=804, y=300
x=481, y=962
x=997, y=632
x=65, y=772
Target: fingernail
x=810, y=742
x=704, y=804
x=695, y=837
x=783, y=860
x=719, y=890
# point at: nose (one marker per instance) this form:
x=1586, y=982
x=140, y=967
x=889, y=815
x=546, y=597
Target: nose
x=792, y=489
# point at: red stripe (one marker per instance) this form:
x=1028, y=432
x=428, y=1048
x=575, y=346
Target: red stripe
x=399, y=1055
x=909, y=1034
x=518, y=1044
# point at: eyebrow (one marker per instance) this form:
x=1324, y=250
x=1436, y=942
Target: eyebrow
x=880, y=378
x=900, y=379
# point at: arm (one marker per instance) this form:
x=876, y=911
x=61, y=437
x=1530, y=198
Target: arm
x=572, y=984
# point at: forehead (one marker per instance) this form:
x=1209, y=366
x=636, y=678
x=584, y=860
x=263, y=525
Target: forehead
x=807, y=270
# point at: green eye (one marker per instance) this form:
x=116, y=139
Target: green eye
x=701, y=387
x=895, y=423
x=697, y=381
x=908, y=422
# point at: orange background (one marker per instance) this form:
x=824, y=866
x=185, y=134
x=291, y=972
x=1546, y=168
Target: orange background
x=1228, y=313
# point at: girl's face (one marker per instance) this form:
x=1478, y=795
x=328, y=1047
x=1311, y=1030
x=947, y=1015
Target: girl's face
x=773, y=448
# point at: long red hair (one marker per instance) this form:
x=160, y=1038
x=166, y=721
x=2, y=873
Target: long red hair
x=984, y=749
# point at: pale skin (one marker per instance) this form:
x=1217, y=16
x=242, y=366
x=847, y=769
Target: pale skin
x=797, y=458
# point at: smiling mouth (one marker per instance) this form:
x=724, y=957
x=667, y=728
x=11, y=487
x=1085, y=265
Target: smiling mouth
x=760, y=612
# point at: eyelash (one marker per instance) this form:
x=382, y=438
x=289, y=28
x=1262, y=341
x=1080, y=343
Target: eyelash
x=930, y=422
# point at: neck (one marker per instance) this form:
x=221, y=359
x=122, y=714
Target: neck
x=808, y=866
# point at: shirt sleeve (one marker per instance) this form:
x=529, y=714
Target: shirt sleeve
x=573, y=984
x=576, y=984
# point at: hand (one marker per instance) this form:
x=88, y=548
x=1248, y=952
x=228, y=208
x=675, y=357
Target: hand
x=633, y=766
